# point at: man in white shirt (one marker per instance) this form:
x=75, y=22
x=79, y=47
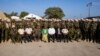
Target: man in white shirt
x=28, y=33
x=51, y=32
x=64, y=33
x=21, y=34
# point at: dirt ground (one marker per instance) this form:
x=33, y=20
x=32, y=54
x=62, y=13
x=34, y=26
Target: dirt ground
x=50, y=49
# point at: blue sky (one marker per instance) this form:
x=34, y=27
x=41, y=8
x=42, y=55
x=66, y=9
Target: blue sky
x=71, y=8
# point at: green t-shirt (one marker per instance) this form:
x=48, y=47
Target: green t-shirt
x=45, y=31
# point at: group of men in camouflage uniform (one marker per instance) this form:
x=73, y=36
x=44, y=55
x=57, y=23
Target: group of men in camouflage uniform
x=50, y=30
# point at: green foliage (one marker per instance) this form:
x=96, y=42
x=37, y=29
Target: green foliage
x=54, y=12
x=23, y=13
x=13, y=14
x=7, y=15
x=10, y=14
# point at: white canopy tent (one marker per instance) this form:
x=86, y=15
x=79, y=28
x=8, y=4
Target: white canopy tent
x=32, y=16
x=16, y=18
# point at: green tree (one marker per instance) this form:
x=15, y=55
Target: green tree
x=7, y=15
x=23, y=13
x=11, y=14
x=54, y=12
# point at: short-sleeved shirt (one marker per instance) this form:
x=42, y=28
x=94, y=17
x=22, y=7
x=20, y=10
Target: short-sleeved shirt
x=21, y=31
x=65, y=31
x=28, y=30
x=44, y=31
x=51, y=31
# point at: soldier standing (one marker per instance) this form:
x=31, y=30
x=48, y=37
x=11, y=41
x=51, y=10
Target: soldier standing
x=13, y=32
